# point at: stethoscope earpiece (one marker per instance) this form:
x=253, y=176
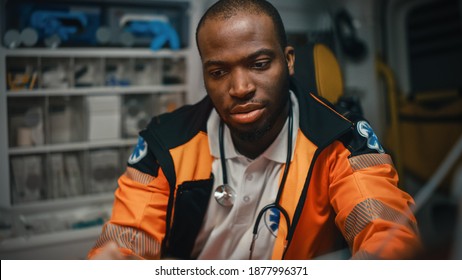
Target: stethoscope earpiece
x=225, y=195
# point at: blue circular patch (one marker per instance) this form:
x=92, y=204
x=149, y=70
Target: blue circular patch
x=271, y=218
x=141, y=150
x=365, y=130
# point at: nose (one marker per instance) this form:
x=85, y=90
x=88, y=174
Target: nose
x=242, y=85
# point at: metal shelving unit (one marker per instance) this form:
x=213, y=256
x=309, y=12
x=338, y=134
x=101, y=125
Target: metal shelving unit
x=108, y=90
x=85, y=107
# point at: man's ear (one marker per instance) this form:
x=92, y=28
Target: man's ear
x=290, y=58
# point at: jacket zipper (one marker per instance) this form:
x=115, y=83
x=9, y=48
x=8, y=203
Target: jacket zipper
x=166, y=163
x=302, y=199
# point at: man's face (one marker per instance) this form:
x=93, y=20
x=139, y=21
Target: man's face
x=246, y=73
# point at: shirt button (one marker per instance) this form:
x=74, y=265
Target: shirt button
x=249, y=177
x=246, y=198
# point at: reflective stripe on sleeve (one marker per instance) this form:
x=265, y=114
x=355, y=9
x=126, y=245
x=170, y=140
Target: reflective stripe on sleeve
x=369, y=210
x=139, y=242
x=138, y=176
x=369, y=160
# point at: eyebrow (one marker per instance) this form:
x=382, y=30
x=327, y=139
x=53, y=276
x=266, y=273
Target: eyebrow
x=251, y=56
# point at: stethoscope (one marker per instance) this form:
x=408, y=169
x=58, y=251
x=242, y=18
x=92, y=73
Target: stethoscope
x=225, y=195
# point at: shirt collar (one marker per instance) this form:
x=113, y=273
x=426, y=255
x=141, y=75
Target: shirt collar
x=277, y=151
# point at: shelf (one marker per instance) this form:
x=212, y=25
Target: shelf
x=97, y=90
x=95, y=52
x=78, y=108
x=62, y=203
x=42, y=240
x=61, y=97
x=72, y=146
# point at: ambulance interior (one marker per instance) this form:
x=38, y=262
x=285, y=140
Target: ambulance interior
x=399, y=63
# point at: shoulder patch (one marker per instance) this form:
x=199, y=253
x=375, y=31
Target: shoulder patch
x=139, y=152
x=365, y=130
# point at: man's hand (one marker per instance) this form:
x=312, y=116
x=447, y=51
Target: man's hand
x=110, y=251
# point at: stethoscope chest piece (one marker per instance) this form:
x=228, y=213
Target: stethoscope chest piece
x=225, y=195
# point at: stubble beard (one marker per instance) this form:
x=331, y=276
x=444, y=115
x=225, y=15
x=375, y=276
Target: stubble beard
x=259, y=132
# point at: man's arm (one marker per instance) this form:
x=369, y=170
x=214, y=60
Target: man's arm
x=373, y=214
x=137, y=223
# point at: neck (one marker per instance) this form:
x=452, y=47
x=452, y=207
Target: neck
x=252, y=149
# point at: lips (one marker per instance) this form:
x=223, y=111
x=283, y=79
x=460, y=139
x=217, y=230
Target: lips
x=246, y=113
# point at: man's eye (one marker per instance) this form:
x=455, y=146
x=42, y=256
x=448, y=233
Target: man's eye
x=261, y=64
x=216, y=73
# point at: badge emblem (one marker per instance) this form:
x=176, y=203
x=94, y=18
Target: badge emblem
x=140, y=151
x=272, y=217
x=365, y=130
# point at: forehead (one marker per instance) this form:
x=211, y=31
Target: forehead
x=219, y=36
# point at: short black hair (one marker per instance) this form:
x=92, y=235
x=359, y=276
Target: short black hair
x=225, y=9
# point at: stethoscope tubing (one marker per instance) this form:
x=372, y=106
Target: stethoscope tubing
x=275, y=204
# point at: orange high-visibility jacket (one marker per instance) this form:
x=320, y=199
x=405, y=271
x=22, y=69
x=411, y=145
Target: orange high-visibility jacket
x=341, y=186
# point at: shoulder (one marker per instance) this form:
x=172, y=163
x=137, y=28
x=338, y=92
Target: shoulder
x=166, y=131
x=361, y=139
x=323, y=123
x=177, y=127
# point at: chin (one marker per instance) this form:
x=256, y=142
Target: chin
x=253, y=134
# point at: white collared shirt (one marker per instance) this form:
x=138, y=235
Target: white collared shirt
x=226, y=233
